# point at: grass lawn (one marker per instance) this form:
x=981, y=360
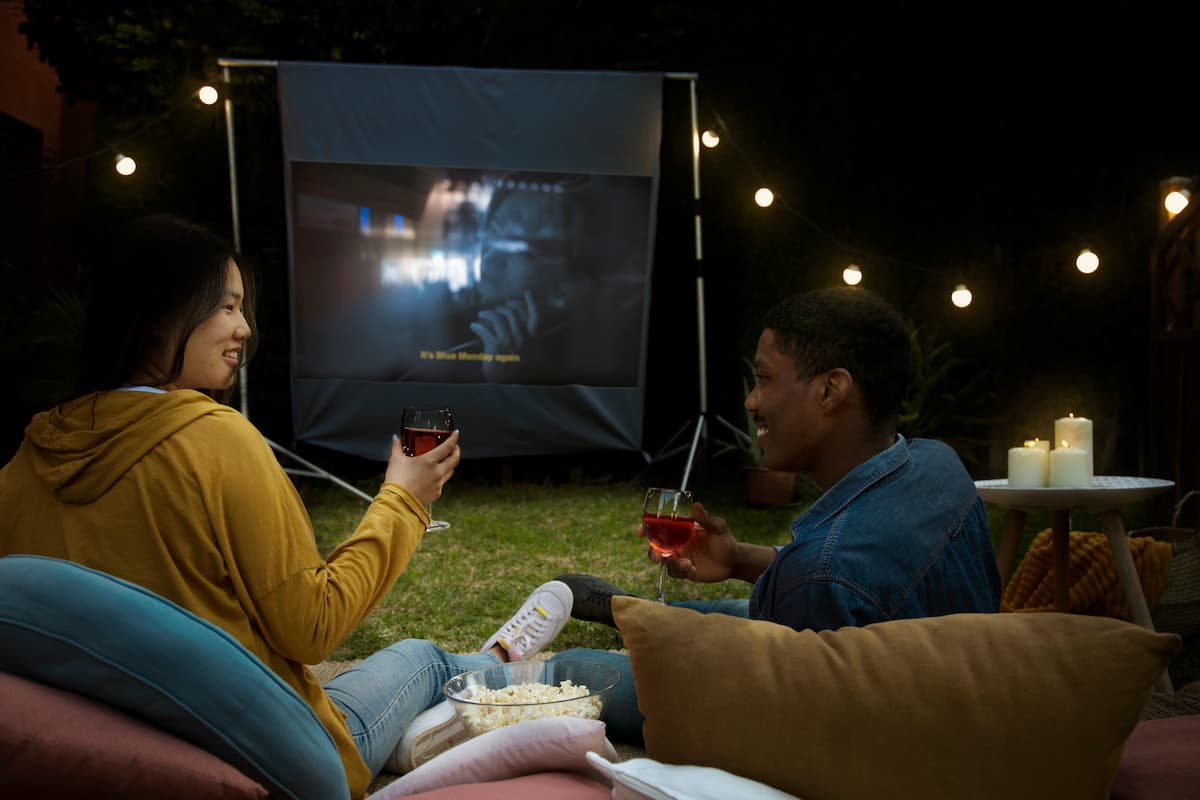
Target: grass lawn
x=509, y=536
x=505, y=540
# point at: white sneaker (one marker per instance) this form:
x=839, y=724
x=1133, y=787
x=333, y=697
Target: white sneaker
x=432, y=732
x=543, y=615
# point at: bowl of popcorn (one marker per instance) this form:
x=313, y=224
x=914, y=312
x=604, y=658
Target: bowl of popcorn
x=493, y=697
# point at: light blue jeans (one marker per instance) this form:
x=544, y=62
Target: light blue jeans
x=623, y=721
x=382, y=694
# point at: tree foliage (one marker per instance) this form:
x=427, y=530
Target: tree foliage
x=947, y=398
x=148, y=52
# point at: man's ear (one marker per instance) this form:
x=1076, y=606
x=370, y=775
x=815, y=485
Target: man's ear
x=836, y=387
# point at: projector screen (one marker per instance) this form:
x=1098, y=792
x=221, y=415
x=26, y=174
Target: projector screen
x=467, y=276
x=476, y=239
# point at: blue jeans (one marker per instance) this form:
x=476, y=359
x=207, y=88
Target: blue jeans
x=622, y=719
x=382, y=694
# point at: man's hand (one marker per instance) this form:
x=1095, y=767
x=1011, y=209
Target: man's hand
x=710, y=555
x=505, y=328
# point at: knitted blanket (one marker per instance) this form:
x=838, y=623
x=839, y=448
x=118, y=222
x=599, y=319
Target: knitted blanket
x=1095, y=587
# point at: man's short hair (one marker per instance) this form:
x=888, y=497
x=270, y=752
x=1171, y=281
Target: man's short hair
x=851, y=328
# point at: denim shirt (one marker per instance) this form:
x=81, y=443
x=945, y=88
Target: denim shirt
x=904, y=534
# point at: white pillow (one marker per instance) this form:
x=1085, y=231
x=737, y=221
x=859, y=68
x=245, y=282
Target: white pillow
x=647, y=779
x=535, y=745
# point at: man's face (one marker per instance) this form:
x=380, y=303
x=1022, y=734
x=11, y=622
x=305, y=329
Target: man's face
x=789, y=417
x=523, y=246
x=506, y=275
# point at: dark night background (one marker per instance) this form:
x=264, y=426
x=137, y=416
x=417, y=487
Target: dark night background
x=931, y=144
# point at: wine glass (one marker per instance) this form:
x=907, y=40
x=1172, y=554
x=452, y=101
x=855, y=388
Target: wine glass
x=668, y=524
x=421, y=430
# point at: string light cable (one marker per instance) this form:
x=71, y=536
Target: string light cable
x=1087, y=261
x=114, y=147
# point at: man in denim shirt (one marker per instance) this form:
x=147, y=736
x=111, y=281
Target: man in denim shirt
x=900, y=530
x=902, y=535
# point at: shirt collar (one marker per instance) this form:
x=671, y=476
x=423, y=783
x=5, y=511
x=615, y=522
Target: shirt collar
x=855, y=482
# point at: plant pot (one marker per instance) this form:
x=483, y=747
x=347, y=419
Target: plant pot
x=766, y=488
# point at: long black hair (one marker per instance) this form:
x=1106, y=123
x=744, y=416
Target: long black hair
x=163, y=270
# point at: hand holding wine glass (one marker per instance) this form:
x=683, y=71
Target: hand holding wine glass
x=421, y=430
x=423, y=477
x=710, y=556
x=667, y=524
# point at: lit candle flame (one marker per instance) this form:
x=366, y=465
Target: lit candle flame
x=1031, y=442
x=1065, y=443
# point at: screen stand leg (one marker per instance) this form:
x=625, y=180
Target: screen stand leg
x=313, y=471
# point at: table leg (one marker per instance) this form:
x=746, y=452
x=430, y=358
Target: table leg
x=1014, y=526
x=1060, y=532
x=1118, y=542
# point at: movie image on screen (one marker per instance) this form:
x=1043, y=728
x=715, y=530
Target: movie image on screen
x=449, y=275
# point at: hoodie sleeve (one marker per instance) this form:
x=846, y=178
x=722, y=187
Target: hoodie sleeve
x=303, y=605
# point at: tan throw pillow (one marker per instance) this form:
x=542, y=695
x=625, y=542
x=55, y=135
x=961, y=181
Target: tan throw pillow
x=968, y=705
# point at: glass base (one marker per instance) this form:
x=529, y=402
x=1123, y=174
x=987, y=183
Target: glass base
x=437, y=525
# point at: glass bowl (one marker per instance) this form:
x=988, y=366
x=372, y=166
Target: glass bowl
x=504, y=694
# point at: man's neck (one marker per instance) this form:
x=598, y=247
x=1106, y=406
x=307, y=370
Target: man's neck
x=847, y=451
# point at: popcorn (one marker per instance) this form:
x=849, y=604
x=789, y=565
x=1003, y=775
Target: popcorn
x=522, y=701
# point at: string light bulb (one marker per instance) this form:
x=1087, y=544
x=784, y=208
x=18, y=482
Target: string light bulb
x=764, y=197
x=852, y=275
x=710, y=139
x=1087, y=262
x=961, y=296
x=207, y=94
x=1176, y=200
x=124, y=165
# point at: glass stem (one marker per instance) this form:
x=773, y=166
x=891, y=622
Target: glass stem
x=662, y=574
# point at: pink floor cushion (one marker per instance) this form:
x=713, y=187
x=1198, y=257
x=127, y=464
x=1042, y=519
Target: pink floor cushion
x=1161, y=761
x=542, y=786
x=55, y=743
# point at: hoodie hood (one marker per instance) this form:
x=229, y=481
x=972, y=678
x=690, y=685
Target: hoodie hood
x=82, y=448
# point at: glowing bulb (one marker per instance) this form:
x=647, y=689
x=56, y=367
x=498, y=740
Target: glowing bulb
x=1087, y=262
x=961, y=296
x=710, y=139
x=208, y=95
x=764, y=197
x=852, y=275
x=1177, y=201
x=125, y=165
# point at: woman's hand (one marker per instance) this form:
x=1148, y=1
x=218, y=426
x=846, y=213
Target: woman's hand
x=710, y=555
x=424, y=475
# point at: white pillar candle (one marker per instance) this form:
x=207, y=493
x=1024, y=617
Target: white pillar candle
x=1069, y=468
x=1077, y=432
x=1028, y=466
x=1044, y=446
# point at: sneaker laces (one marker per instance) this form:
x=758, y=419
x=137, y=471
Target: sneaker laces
x=600, y=597
x=516, y=640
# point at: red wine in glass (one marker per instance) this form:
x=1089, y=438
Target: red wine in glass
x=668, y=524
x=421, y=430
x=667, y=534
x=419, y=441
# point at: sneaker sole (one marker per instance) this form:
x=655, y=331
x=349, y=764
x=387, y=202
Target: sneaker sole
x=435, y=741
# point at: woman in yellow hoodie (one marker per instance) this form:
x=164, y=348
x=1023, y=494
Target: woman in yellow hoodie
x=145, y=476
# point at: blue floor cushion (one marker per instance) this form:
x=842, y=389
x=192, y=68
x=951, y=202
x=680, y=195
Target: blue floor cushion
x=78, y=629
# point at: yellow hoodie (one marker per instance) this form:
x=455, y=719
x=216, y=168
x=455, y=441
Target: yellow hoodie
x=183, y=496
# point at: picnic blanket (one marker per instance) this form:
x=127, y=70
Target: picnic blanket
x=1095, y=587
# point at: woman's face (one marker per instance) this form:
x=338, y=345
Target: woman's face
x=214, y=350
